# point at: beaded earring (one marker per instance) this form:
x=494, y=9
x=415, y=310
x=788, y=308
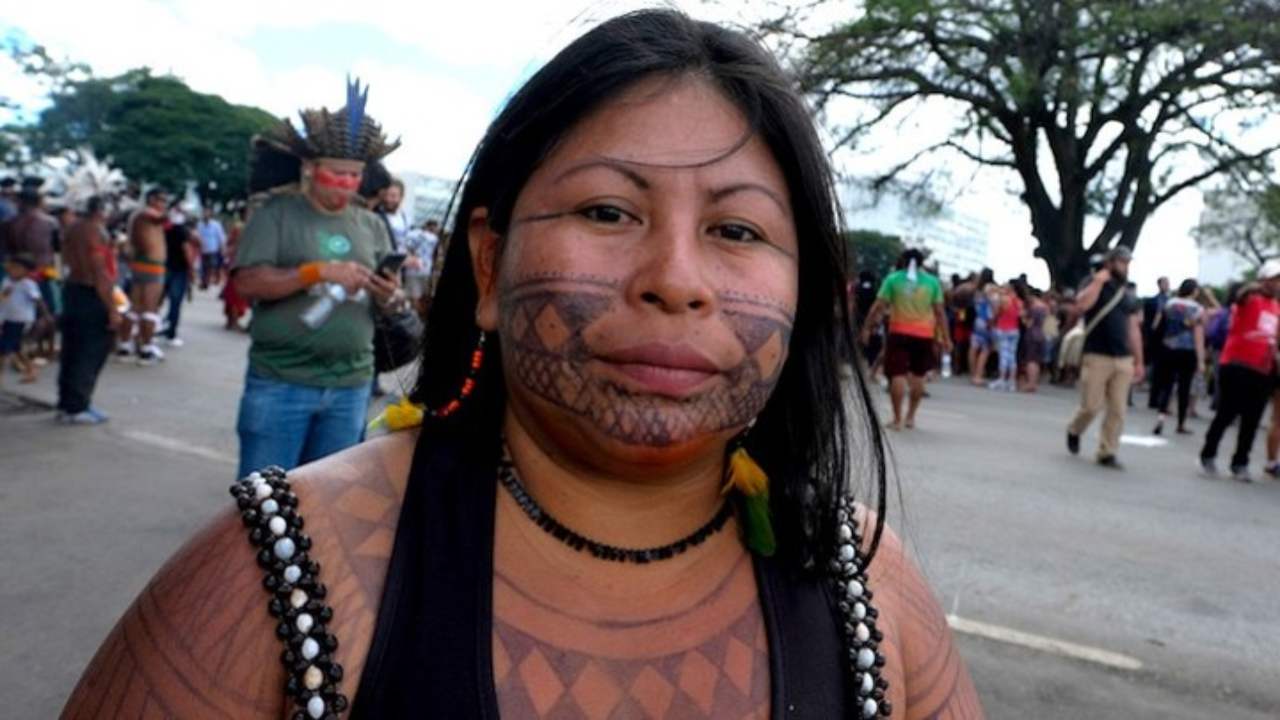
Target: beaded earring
x=406, y=414
x=468, y=384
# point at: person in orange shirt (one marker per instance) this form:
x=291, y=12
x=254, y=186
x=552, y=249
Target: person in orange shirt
x=917, y=320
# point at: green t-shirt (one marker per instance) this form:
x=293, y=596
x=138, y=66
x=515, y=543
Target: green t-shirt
x=911, y=303
x=285, y=233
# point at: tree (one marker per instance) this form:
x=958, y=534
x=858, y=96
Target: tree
x=159, y=129
x=874, y=251
x=1242, y=221
x=1100, y=108
x=155, y=128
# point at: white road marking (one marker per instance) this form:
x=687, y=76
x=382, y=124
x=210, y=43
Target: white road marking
x=1044, y=644
x=1149, y=441
x=178, y=446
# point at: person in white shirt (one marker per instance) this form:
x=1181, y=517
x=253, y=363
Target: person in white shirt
x=20, y=304
x=420, y=244
x=213, y=246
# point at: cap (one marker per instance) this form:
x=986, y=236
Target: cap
x=1119, y=252
x=1269, y=269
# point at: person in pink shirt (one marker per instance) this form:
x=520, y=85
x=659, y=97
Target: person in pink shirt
x=1008, y=326
x=1247, y=370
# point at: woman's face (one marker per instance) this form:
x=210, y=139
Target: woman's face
x=646, y=290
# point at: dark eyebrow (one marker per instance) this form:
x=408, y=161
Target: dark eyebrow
x=724, y=192
x=613, y=165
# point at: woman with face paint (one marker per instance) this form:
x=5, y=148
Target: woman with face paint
x=627, y=491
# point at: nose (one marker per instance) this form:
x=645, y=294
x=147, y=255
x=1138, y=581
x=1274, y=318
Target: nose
x=673, y=271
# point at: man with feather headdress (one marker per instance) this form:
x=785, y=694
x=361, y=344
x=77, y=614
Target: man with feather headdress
x=90, y=315
x=307, y=388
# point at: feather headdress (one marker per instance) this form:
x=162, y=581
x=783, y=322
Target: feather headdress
x=92, y=177
x=348, y=134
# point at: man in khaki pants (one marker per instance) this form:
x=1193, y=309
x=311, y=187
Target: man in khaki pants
x=1112, y=355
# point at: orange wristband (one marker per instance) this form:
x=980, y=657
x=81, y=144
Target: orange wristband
x=309, y=273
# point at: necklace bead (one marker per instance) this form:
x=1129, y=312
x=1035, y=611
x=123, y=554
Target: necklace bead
x=509, y=478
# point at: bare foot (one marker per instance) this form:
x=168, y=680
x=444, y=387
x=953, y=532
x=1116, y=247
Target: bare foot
x=896, y=426
x=911, y=423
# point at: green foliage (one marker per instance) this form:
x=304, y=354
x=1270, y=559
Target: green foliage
x=874, y=251
x=1098, y=108
x=155, y=128
x=1243, y=220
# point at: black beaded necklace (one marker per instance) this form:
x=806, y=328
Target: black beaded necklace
x=510, y=480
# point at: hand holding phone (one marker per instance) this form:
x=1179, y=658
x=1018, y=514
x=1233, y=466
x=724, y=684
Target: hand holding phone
x=391, y=264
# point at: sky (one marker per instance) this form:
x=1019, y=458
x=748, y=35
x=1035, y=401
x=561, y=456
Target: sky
x=438, y=73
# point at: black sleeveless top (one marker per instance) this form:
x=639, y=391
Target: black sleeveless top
x=431, y=654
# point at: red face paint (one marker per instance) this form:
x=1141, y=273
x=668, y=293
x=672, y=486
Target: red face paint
x=326, y=178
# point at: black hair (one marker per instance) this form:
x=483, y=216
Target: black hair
x=804, y=437
x=23, y=259
x=153, y=193
x=911, y=254
x=1188, y=287
x=94, y=205
x=374, y=179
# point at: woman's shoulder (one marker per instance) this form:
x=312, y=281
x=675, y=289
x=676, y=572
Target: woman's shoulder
x=199, y=641
x=919, y=645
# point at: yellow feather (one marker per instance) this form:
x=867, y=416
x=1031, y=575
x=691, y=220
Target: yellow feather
x=401, y=416
x=747, y=475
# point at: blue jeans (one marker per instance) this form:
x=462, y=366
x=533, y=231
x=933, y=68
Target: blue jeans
x=1007, y=347
x=175, y=293
x=289, y=425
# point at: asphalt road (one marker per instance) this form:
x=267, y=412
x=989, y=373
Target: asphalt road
x=1079, y=592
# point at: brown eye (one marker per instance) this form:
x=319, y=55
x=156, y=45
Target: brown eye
x=737, y=233
x=607, y=214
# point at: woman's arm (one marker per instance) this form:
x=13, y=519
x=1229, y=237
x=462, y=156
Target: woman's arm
x=934, y=676
x=197, y=643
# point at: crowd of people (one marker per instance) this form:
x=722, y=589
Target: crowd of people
x=1191, y=350
x=87, y=276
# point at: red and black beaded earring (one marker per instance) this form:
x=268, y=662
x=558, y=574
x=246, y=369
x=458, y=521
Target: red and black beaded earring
x=468, y=384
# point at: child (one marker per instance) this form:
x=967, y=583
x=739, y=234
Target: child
x=20, y=304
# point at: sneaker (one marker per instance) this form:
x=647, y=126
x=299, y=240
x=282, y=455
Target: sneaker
x=1073, y=443
x=1110, y=462
x=83, y=418
x=1241, y=473
x=123, y=351
x=1273, y=469
x=102, y=417
x=174, y=342
x=1159, y=428
x=995, y=385
x=1208, y=467
x=150, y=354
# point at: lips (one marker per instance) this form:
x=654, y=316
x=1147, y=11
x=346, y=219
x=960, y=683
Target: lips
x=670, y=370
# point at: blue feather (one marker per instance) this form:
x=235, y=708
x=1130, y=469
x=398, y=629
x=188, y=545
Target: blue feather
x=356, y=100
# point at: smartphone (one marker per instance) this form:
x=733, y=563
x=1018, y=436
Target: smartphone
x=390, y=264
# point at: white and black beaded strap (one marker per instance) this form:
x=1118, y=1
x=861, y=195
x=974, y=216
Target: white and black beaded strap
x=861, y=636
x=269, y=509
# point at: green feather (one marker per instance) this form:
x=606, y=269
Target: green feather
x=757, y=525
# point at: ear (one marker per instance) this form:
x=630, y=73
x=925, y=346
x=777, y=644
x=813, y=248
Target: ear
x=483, y=242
